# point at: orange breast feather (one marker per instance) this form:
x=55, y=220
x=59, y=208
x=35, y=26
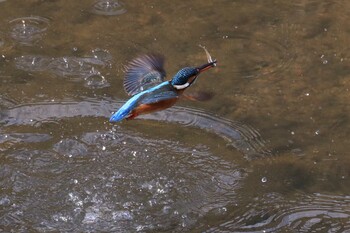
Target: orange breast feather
x=147, y=108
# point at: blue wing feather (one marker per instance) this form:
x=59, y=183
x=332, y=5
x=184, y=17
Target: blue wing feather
x=163, y=91
x=166, y=95
x=143, y=73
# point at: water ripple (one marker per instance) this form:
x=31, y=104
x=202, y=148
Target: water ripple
x=28, y=30
x=9, y=140
x=96, y=183
x=108, y=7
x=84, y=67
x=308, y=213
x=240, y=136
x=255, y=57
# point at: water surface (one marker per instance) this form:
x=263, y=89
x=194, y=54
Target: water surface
x=269, y=152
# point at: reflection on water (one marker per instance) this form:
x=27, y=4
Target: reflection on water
x=283, y=72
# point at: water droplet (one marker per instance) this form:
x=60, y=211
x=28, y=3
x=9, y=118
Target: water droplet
x=28, y=30
x=96, y=80
x=108, y=7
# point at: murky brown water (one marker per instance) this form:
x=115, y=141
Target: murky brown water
x=268, y=153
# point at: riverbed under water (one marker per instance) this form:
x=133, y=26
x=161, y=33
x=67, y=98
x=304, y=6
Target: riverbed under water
x=268, y=153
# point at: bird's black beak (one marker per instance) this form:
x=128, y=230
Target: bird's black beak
x=206, y=66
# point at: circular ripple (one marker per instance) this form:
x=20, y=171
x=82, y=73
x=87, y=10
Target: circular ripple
x=81, y=67
x=32, y=63
x=72, y=66
x=108, y=7
x=305, y=213
x=240, y=136
x=96, y=80
x=253, y=57
x=28, y=30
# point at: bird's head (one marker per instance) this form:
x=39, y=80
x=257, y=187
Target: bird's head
x=186, y=76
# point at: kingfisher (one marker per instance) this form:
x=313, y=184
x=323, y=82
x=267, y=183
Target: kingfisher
x=145, y=81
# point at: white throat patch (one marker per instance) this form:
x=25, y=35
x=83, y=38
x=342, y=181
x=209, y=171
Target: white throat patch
x=180, y=87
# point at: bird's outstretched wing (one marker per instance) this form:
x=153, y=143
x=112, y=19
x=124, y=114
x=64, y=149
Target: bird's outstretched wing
x=143, y=73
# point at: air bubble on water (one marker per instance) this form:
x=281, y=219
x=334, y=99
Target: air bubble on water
x=264, y=179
